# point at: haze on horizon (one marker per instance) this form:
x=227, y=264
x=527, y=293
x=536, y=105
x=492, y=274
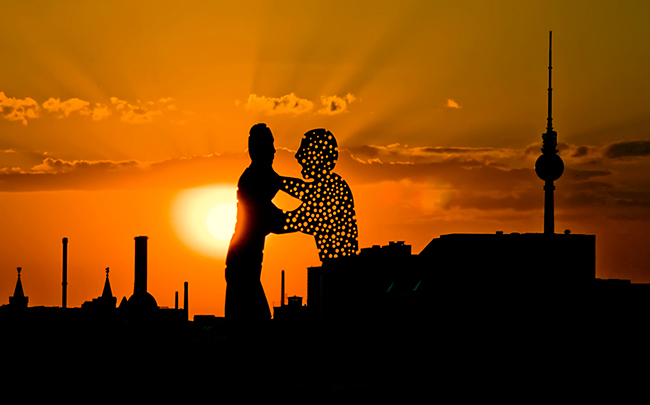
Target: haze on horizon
x=112, y=111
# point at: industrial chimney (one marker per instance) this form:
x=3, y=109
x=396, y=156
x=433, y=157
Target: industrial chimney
x=140, y=285
x=186, y=300
x=64, y=283
x=141, y=299
x=282, y=291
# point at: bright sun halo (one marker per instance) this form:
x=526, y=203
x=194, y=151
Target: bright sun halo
x=204, y=218
x=221, y=221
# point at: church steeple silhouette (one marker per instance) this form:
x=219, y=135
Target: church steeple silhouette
x=19, y=300
x=104, y=302
x=549, y=167
x=107, y=293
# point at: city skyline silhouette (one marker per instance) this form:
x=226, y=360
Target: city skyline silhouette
x=474, y=239
x=110, y=131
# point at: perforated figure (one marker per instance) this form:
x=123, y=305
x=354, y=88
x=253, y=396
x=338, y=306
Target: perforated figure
x=327, y=209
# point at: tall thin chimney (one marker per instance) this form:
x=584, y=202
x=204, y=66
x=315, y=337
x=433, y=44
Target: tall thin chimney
x=282, y=291
x=176, y=301
x=186, y=301
x=64, y=283
x=141, y=299
x=140, y=285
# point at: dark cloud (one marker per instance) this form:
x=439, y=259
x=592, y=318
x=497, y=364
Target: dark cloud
x=57, y=174
x=580, y=175
x=403, y=153
x=627, y=149
x=455, y=150
x=365, y=151
x=581, y=151
x=466, y=178
x=581, y=199
x=51, y=165
x=454, y=172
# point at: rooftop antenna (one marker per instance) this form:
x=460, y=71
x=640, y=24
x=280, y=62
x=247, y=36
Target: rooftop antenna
x=549, y=166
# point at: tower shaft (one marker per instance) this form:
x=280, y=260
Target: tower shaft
x=549, y=208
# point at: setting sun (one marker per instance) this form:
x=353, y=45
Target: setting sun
x=204, y=218
x=221, y=221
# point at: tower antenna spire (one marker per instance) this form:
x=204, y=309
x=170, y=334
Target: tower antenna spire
x=549, y=125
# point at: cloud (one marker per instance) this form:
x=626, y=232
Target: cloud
x=487, y=179
x=623, y=150
x=396, y=153
x=60, y=174
x=581, y=151
x=452, y=104
x=139, y=113
x=292, y=104
x=493, y=179
x=54, y=105
x=335, y=104
x=627, y=149
x=289, y=104
x=100, y=111
x=16, y=109
x=51, y=165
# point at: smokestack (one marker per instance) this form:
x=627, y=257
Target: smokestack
x=64, y=283
x=186, y=301
x=140, y=285
x=282, y=297
x=176, y=301
x=141, y=299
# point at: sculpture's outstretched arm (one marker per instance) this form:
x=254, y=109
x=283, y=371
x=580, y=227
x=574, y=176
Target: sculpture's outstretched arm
x=294, y=187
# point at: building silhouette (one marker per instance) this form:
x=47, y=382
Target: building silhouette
x=106, y=301
x=294, y=311
x=535, y=275
x=141, y=305
x=18, y=301
x=384, y=317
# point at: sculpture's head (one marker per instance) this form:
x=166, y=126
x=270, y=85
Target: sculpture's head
x=260, y=145
x=317, y=154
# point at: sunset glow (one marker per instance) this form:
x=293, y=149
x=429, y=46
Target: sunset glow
x=204, y=218
x=221, y=221
x=119, y=120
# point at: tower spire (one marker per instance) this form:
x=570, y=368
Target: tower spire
x=18, y=300
x=549, y=125
x=549, y=167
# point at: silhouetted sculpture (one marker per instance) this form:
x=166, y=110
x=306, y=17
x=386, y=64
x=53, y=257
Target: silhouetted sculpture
x=327, y=209
x=257, y=216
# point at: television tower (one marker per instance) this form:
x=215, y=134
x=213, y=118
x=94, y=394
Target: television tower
x=549, y=167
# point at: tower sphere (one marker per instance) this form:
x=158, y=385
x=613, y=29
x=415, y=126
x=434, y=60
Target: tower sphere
x=549, y=167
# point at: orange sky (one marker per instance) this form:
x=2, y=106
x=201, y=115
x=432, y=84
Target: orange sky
x=111, y=111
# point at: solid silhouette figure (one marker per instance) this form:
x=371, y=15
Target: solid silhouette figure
x=257, y=216
x=327, y=209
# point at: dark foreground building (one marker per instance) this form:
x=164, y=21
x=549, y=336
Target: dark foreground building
x=458, y=276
